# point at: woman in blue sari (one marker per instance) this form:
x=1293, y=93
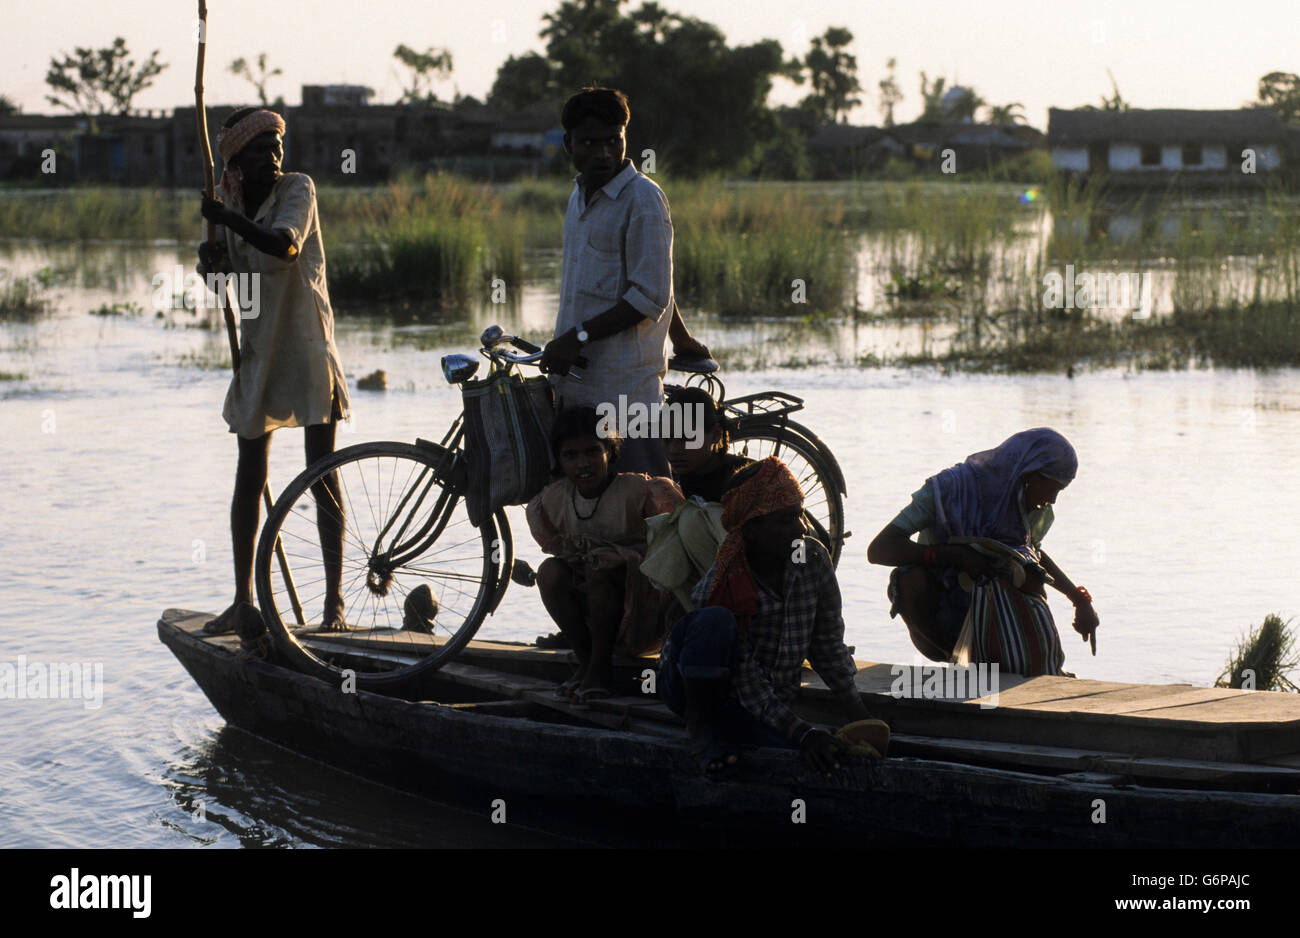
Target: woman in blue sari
x=974, y=577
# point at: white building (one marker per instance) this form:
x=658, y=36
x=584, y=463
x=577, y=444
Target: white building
x=1143, y=145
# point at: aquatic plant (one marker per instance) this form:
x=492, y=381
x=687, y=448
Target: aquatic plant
x=1263, y=659
x=22, y=296
x=121, y=308
x=215, y=359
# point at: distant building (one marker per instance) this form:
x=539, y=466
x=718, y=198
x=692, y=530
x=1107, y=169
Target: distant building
x=335, y=135
x=974, y=146
x=314, y=96
x=24, y=138
x=839, y=150
x=127, y=150
x=1152, y=146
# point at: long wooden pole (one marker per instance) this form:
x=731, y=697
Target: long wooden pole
x=232, y=333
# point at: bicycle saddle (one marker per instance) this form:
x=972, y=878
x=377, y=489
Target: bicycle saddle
x=698, y=366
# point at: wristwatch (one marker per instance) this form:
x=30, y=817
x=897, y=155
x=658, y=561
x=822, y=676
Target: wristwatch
x=582, y=333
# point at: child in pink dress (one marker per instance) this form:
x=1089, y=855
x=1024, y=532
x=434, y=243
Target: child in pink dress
x=592, y=522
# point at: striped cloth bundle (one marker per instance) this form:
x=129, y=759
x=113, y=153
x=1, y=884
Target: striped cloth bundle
x=1011, y=628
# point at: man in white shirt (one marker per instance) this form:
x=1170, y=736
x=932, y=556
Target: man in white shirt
x=616, y=293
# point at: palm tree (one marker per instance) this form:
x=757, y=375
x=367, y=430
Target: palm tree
x=1006, y=113
x=966, y=105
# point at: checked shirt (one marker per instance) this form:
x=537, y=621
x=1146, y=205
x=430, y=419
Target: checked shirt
x=804, y=622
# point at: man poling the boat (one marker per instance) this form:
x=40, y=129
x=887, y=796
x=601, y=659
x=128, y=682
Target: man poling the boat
x=288, y=373
x=731, y=667
x=970, y=589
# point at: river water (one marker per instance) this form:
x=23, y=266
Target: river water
x=117, y=472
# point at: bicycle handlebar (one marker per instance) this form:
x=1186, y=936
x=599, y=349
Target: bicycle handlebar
x=493, y=337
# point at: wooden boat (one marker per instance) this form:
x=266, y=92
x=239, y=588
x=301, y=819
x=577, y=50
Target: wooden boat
x=1058, y=761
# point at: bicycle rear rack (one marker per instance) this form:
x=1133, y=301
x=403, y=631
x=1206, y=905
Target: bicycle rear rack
x=764, y=404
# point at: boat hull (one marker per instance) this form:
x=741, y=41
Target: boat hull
x=628, y=787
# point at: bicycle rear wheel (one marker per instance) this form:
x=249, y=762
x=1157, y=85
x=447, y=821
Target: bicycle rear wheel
x=416, y=578
x=790, y=443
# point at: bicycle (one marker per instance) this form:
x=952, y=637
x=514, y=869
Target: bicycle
x=418, y=578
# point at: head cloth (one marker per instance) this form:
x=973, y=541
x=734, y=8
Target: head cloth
x=981, y=496
x=772, y=488
x=230, y=141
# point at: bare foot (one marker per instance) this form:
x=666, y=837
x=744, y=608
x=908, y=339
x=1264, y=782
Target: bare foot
x=223, y=623
x=715, y=757
x=570, y=687
x=332, y=620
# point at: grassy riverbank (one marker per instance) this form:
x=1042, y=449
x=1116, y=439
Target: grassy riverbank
x=1225, y=269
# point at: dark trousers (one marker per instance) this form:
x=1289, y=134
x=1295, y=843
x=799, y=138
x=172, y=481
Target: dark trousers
x=702, y=647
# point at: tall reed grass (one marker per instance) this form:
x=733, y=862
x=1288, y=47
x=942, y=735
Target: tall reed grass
x=100, y=214
x=1263, y=659
x=758, y=250
x=438, y=238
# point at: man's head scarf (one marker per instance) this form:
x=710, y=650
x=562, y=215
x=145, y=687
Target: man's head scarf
x=230, y=141
x=981, y=496
x=772, y=488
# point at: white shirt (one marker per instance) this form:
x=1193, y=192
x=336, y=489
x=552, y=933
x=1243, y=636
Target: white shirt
x=618, y=245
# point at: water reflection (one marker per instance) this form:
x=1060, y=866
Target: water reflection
x=233, y=789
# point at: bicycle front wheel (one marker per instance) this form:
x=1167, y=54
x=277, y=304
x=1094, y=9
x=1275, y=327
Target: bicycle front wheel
x=788, y=442
x=382, y=526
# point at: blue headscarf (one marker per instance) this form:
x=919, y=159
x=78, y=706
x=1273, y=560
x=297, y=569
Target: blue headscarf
x=981, y=496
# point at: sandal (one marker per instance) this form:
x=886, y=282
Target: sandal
x=554, y=640
x=584, y=695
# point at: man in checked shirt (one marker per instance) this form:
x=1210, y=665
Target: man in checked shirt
x=769, y=601
x=616, y=280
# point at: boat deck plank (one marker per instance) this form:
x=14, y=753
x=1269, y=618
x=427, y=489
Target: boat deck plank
x=1131, y=700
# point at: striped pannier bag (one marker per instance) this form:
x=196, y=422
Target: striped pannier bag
x=507, y=441
x=1012, y=628
x=1004, y=624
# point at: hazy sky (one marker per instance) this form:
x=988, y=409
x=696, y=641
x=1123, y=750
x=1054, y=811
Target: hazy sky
x=1164, y=53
